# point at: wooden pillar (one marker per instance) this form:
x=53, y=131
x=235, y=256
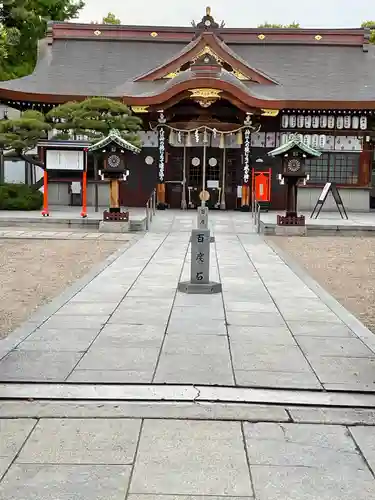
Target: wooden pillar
x=114, y=193
x=96, y=177
x=224, y=174
x=365, y=164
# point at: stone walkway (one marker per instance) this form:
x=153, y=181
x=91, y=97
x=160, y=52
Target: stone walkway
x=270, y=328
x=129, y=325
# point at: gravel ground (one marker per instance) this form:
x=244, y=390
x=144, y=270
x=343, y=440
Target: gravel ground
x=344, y=266
x=34, y=272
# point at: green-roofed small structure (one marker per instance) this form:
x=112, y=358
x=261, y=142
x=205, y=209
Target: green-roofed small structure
x=295, y=142
x=115, y=137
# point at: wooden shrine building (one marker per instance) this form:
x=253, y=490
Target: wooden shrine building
x=216, y=99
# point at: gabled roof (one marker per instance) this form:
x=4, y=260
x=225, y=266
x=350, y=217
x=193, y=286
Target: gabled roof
x=207, y=43
x=264, y=68
x=295, y=142
x=114, y=136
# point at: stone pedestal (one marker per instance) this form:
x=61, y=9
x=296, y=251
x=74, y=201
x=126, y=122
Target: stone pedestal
x=290, y=230
x=200, y=266
x=106, y=226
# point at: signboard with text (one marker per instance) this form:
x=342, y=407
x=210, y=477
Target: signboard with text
x=330, y=187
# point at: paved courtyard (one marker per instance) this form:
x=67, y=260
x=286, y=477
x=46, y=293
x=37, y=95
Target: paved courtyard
x=263, y=392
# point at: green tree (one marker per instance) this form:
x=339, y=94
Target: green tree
x=370, y=24
x=94, y=118
x=23, y=134
x=271, y=25
x=28, y=18
x=110, y=18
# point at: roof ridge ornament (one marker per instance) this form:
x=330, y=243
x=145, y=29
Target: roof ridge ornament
x=207, y=23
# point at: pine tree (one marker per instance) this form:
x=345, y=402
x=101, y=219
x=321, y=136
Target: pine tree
x=94, y=118
x=23, y=134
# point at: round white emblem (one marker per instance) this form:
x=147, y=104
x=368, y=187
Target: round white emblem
x=114, y=161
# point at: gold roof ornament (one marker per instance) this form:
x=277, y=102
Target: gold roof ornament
x=318, y=37
x=208, y=11
x=205, y=97
x=270, y=112
x=261, y=36
x=140, y=109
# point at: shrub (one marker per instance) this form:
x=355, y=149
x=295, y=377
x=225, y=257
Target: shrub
x=20, y=197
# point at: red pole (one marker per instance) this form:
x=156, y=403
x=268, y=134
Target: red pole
x=84, y=187
x=84, y=194
x=45, y=211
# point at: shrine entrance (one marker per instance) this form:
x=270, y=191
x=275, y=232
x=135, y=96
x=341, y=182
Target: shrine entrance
x=209, y=159
x=222, y=176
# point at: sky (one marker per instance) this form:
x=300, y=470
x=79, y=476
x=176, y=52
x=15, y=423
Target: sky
x=235, y=13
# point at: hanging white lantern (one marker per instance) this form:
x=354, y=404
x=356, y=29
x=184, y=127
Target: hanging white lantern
x=315, y=121
x=340, y=122
x=300, y=121
x=285, y=121
x=307, y=139
x=284, y=139
x=214, y=133
x=179, y=137
x=292, y=121
x=323, y=121
x=355, y=122
x=300, y=137
x=308, y=121
x=331, y=121
x=196, y=134
x=315, y=141
x=347, y=121
x=363, y=122
x=322, y=141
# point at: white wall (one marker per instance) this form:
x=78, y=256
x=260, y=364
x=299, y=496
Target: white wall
x=354, y=199
x=14, y=172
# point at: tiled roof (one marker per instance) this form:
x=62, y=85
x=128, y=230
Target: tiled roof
x=99, y=67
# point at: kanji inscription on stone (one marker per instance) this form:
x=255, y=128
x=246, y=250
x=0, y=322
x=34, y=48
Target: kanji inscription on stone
x=200, y=256
x=203, y=217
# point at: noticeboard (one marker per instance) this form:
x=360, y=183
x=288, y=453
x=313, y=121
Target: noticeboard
x=329, y=187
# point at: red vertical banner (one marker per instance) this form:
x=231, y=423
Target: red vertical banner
x=84, y=186
x=262, y=185
x=45, y=211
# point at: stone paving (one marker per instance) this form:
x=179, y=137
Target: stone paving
x=143, y=459
x=270, y=328
x=129, y=325
x=27, y=234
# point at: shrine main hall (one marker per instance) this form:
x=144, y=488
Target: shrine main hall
x=214, y=101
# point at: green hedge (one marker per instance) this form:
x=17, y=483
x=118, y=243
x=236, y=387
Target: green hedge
x=20, y=197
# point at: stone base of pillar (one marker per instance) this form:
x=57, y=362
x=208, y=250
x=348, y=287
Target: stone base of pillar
x=106, y=226
x=195, y=289
x=290, y=231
